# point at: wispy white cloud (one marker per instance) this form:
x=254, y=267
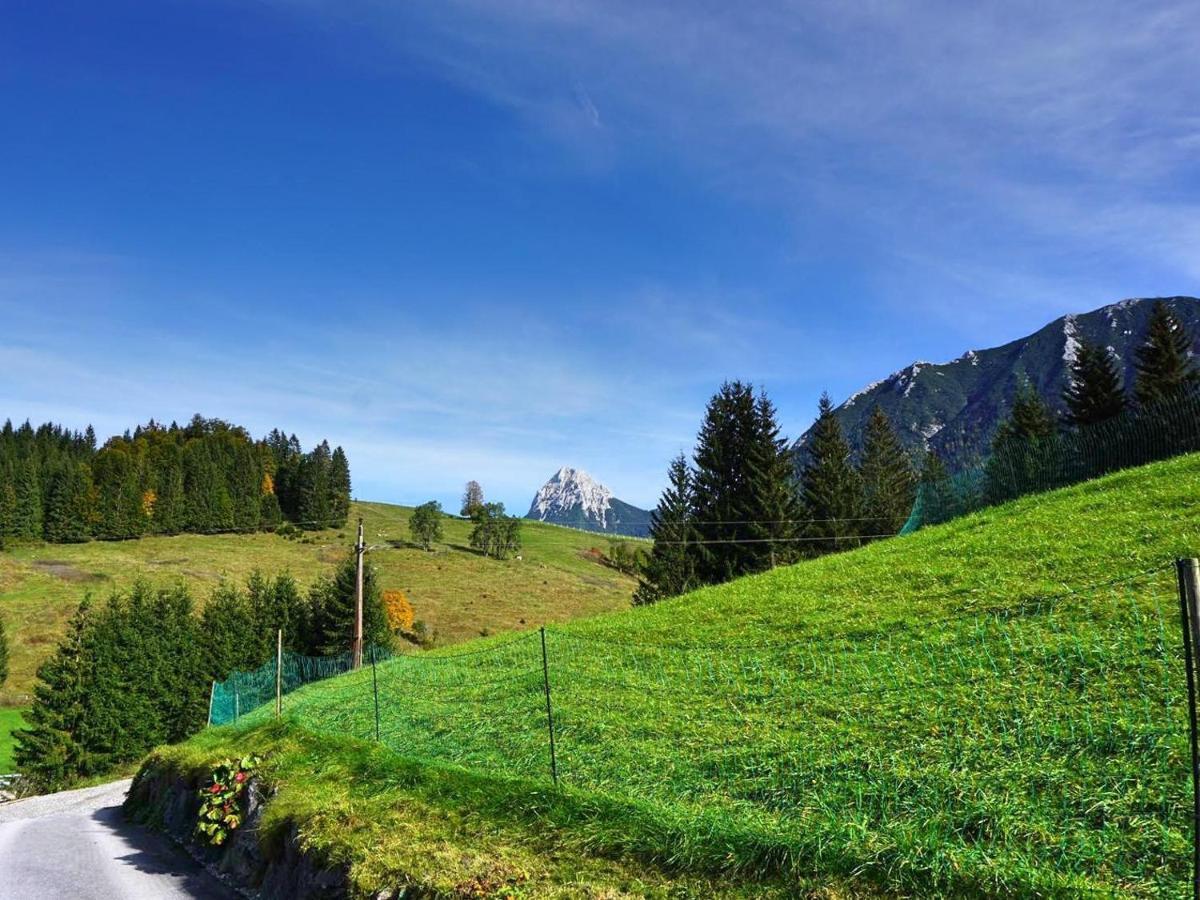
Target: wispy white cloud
x=940, y=128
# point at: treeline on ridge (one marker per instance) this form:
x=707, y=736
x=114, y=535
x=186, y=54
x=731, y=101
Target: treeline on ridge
x=204, y=477
x=745, y=502
x=136, y=670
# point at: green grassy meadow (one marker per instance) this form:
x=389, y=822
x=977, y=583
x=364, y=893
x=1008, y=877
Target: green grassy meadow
x=10, y=720
x=992, y=707
x=456, y=592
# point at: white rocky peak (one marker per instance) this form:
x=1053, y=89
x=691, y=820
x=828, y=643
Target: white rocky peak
x=569, y=489
x=1070, y=340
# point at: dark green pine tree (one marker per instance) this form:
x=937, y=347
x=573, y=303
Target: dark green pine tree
x=339, y=488
x=27, y=519
x=69, y=503
x=227, y=627
x=170, y=511
x=831, y=489
x=722, y=485
x=121, y=718
x=670, y=569
x=120, y=513
x=1094, y=392
x=774, y=507
x=938, y=502
x=286, y=609
x=331, y=601
x=8, y=505
x=1163, y=362
x=889, y=482
x=1024, y=448
x=51, y=750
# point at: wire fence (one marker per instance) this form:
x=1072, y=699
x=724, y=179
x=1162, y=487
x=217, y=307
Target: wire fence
x=1019, y=466
x=1041, y=747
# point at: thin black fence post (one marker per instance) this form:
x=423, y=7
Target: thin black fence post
x=549, y=709
x=1189, y=607
x=375, y=688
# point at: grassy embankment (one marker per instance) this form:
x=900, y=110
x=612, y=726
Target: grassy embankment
x=10, y=721
x=933, y=715
x=456, y=592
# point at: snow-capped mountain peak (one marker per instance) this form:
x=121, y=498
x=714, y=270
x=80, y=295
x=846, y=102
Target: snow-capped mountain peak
x=573, y=497
x=569, y=489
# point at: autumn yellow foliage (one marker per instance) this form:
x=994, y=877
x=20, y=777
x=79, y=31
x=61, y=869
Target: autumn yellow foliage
x=268, y=484
x=399, y=611
x=149, y=498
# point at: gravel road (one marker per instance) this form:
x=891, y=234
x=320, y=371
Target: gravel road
x=77, y=845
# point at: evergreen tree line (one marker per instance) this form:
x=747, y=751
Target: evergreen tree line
x=207, y=476
x=1104, y=426
x=136, y=671
x=740, y=506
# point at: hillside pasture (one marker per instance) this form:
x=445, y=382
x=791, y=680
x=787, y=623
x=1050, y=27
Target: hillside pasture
x=454, y=590
x=993, y=707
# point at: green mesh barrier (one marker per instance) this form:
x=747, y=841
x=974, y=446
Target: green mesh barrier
x=1017, y=467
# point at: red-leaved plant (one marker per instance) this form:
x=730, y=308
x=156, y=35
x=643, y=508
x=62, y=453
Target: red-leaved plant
x=221, y=811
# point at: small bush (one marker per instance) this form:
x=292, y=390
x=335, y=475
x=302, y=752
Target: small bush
x=399, y=611
x=222, y=809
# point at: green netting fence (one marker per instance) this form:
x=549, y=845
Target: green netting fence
x=1017, y=467
x=1031, y=748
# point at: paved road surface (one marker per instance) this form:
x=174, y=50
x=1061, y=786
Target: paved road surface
x=77, y=845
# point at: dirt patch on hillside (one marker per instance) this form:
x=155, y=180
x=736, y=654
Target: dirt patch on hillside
x=67, y=572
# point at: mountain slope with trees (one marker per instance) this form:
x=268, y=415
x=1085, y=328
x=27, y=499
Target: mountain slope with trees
x=956, y=408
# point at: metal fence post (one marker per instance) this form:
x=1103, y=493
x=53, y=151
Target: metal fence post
x=375, y=688
x=1187, y=573
x=549, y=710
x=212, y=692
x=279, y=674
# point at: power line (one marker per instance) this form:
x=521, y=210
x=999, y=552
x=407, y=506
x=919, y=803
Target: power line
x=791, y=540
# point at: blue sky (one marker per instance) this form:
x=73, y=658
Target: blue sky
x=475, y=239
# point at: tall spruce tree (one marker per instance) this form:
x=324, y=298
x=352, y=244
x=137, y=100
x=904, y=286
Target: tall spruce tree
x=670, y=569
x=51, y=750
x=333, y=610
x=830, y=487
x=889, y=482
x=1094, y=393
x=722, y=485
x=939, y=502
x=339, y=488
x=27, y=519
x=69, y=503
x=1163, y=362
x=1023, y=449
x=774, y=508
x=230, y=638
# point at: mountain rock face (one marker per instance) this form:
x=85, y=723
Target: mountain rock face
x=954, y=408
x=572, y=497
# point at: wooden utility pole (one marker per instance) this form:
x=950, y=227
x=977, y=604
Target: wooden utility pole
x=359, y=550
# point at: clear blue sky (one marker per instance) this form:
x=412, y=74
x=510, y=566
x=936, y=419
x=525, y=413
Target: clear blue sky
x=474, y=239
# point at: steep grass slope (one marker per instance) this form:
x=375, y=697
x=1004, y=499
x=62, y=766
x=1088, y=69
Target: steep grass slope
x=456, y=592
x=993, y=707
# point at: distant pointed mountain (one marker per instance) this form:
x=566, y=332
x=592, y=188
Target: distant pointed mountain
x=955, y=407
x=572, y=497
